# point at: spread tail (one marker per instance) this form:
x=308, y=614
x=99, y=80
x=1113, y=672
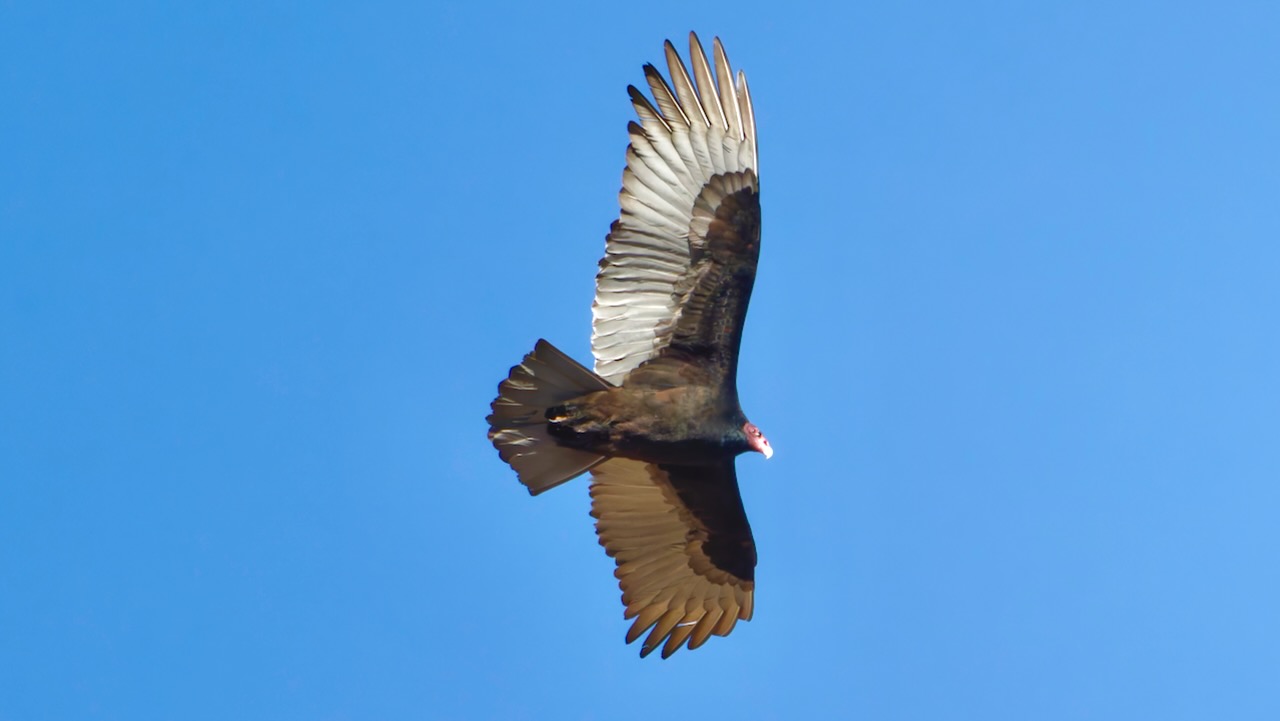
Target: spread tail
x=518, y=425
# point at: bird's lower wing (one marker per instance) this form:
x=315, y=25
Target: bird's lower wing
x=686, y=558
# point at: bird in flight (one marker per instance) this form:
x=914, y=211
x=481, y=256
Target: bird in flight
x=658, y=423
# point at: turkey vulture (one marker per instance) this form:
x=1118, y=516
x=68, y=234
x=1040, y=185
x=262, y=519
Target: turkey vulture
x=658, y=423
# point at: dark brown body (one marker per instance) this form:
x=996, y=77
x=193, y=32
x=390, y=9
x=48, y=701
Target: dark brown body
x=689, y=425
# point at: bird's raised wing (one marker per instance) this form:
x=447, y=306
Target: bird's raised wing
x=686, y=559
x=691, y=178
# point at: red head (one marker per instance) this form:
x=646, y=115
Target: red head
x=756, y=440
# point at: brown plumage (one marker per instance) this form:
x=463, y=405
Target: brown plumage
x=658, y=423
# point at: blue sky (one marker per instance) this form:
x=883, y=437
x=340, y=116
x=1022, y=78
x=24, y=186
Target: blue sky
x=1013, y=338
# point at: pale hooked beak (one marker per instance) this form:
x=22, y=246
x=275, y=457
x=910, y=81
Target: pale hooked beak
x=756, y=440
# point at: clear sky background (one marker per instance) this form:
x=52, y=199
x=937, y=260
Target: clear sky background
x=1014, y=338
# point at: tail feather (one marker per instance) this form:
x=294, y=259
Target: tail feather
x=518, y=425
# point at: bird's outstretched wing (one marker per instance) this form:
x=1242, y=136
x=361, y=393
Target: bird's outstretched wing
x=686, y=558
x=680, y=261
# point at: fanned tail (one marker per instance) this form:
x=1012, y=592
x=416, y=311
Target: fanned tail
x=518, y=425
